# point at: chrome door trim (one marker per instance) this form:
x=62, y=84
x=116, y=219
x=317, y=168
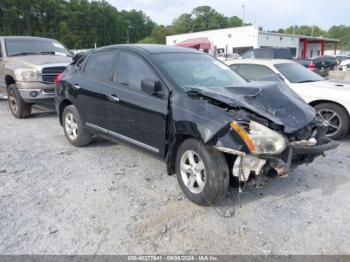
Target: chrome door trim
x=125, y=138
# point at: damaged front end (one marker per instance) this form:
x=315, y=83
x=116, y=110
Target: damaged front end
x=267, y=151
x=272, y=129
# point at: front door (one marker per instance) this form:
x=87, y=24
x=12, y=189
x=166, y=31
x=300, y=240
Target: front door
x=135, y=116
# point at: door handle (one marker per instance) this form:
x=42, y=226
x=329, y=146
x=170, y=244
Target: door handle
x=76, y=86
x=113, y=98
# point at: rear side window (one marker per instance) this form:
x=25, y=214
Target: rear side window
x=101, y=65
x=131, y=70
x=253, y=72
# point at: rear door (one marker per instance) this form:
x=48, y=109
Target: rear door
x=91, y=86
x=135, y=116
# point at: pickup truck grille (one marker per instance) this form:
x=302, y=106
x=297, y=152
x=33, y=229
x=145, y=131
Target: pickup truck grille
x=49, y=73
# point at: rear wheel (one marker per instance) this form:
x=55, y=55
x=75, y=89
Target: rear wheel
x=18, y=107
x=73, y=127
x=335, y=117
x=202, y=172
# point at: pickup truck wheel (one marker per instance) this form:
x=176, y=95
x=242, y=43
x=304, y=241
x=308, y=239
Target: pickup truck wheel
x=335, y=117
x=73, y=127
x=18, y=107
x=202, y=172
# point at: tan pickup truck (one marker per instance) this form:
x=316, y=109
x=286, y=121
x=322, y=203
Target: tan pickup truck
x=28, y=67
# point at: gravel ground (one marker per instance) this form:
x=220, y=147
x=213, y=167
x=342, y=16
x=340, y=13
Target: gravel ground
x=110, y=199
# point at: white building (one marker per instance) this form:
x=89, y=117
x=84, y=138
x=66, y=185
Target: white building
x=240, y=39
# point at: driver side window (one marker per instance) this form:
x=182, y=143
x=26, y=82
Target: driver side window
x=131, y=70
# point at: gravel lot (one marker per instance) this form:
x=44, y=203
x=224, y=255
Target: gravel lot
x=110, y=199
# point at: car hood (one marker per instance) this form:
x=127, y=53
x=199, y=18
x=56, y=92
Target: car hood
x=37, y=60
x=332, y=84
x=344, y=62
x=272, y=100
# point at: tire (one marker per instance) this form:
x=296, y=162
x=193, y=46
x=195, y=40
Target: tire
x=73, y=127
x=341, y=119
x=18, y=107
x=214, y=177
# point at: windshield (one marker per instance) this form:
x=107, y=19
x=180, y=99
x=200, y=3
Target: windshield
x=296, y=73
x=189, y=70
x=23, y=46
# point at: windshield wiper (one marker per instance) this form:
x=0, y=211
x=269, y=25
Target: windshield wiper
x=35, y=53
x=46, y=53
x=23, y=53
x=193, y=91
x=305, y=81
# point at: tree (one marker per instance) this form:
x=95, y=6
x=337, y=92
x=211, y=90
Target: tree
x=205, y=17
x=182, y=24
x=303, y=30
x=341, y=32
x=234, y=21
x=77, y=23
x=157, y=37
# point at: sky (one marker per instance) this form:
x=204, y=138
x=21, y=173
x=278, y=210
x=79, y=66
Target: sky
x=270, y=14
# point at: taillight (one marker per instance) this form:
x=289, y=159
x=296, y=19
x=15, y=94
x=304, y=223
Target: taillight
x=312, y=67
x=58, y=78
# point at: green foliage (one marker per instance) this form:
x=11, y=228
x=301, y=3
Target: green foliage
x=202, y=18
x=182, y=24
x=76, y=23
x=341, y=32
x=304, y=30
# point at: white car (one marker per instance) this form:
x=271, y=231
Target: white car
x=225, y=57
x=331, y=99
x=344, y=65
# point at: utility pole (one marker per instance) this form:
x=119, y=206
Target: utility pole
x=128, y=34
x=243, y=7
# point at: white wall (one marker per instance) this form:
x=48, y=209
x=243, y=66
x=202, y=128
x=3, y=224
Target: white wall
x=272, y=40
x=266, y=39
x=230, y=37
x=247, y=37
x=314, y=47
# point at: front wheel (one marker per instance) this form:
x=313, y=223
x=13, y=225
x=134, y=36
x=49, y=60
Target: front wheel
x=18, y=107
x=336, y=119
x=73, y=127
x=202, y=172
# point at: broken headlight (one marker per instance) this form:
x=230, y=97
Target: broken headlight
x=260, y=139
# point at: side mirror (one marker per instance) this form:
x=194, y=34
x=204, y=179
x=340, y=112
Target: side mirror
x=151, y=86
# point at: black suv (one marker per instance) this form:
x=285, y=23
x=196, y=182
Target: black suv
x=191, y=110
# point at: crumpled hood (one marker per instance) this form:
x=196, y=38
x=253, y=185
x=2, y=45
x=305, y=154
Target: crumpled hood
x=37, y=60
x=272, y=100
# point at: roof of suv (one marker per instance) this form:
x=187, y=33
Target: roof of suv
x=267, y=62
x=153, y=48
